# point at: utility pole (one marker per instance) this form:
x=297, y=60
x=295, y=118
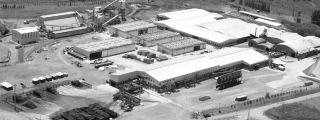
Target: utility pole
x=248, y=117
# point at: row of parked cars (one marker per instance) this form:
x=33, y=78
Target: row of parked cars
x=53, y=76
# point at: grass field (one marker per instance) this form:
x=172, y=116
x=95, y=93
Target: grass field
x=294, y=111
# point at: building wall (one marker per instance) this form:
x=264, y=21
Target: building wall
x=118, y=50
x=180, y=51
x=82, y=52
x=161, y=41
x=25, y=38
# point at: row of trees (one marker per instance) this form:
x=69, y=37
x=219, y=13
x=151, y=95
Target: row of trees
x=5, y=6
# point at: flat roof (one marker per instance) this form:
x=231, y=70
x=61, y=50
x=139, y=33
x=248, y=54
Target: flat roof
x=26, y=30
x=108, y=43
x=135, y=25
x=158, y=35
x=216, y=59
x=6, y=84
x=231, y=27
x=268, y=22
x=182, y=43
x=181, y=14
x=191, y=20
x=58, y=14
x=202, y=33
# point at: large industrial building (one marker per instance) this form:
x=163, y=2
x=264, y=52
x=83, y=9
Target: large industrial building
x=195, y=69
x=132, y=29
x=63, y=24
x=211, y=28
x=160, y=37
x=25, y=35
x=181, y=46
x=105, y=48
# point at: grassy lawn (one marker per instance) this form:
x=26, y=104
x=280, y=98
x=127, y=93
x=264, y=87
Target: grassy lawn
x=294, y=111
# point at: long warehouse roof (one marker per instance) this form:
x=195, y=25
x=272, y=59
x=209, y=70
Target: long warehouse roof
x=136, y=25
x=182, y=14
x=182, y=43
x=62, y=22
x=105, y=44
x=215, y=59
x=58, y=14
x=231, y=27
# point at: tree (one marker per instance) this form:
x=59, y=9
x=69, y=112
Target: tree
x=315, y=18
x=3, y=30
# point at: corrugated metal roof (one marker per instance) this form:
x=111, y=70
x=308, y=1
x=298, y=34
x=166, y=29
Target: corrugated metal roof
x=26, y=30
x=182, y=43
x=158, y=35
x=136, y=25
x=268, y=22
x=71, y=29
x=62, y=22
x=215, y=59
x=105, y=44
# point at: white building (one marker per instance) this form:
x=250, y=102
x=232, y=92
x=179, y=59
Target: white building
x=25, y=35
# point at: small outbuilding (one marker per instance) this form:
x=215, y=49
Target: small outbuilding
x=25, y=35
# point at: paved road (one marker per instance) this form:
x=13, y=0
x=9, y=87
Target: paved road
x=258, y=112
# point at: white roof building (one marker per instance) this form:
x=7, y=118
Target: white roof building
x=26, y=30
x=182, y=14
x=275, y=24
x=216, y=59
x=6, y=84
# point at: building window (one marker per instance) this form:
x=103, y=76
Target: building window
x=299, y=13
x=298, y=20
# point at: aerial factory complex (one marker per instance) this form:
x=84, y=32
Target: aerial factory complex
x=138, y=60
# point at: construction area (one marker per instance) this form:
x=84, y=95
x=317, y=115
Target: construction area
x=180, y=65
